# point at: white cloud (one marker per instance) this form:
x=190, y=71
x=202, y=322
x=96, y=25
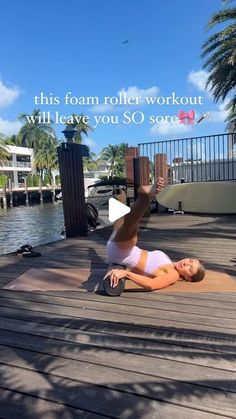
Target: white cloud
x=9, y=128
x=170, y=128
x=88, y=141
x=199, y=79
x=102, y=109
x=223, y=105
x=219, y=115
x=134, y=91
x=8, y=95
x=123, y=95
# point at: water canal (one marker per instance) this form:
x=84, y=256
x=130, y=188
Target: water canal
x=34, y=225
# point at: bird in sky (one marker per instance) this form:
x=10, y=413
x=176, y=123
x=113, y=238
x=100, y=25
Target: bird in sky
x=126, y=42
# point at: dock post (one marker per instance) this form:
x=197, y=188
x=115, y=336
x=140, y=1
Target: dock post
x=11, y=193
x=130, y=154
x=161, y=166
x=53, y=190
x=26, y=193
x=142, y=177
x=72, y=186
x=141, y=173
x=40, y=190
x=4, y=198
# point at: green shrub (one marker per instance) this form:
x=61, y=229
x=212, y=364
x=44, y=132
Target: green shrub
x=58, y=180
x=46, y=180
x=3, y=180
x=35, y=180
x=103, y=177
x=29, y=181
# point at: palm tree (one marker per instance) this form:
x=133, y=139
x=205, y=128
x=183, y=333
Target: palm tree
x=29, y=134
x=231, y=125
x=119, y=169
x=231, y=128
x=12, y=140
x=220, y=53
x=123, y=147
x=46, y=155
x=82, y=127
x=90, y=163
x=3, y=149
x=111, y=154
x=115, y=154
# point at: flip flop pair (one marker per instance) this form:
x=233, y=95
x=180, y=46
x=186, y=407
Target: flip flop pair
x=27, y=251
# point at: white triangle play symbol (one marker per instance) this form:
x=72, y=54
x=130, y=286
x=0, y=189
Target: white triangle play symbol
x=116, y=210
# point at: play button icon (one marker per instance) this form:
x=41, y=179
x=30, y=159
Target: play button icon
x=116, y=210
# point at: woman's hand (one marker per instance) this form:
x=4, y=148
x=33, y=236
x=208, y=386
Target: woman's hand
x=115, y=276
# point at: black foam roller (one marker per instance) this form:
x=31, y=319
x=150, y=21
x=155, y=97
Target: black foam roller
x=114, y=291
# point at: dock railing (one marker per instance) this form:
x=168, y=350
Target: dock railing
x=196, y=159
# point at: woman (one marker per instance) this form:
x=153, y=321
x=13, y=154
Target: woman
x=150, y=270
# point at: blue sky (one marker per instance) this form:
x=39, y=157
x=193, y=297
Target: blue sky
x=76, y=46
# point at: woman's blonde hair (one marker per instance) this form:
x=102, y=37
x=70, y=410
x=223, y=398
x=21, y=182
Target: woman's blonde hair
x=199, y=275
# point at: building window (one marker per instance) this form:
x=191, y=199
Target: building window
x=23, y=158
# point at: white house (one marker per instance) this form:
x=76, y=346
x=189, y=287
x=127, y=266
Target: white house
x=18, y=165
x=91, y=177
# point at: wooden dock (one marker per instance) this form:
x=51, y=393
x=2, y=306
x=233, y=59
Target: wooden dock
x=24, y=196
x=142, y=355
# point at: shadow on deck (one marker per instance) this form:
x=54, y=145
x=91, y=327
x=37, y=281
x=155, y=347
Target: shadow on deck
x=146, y=355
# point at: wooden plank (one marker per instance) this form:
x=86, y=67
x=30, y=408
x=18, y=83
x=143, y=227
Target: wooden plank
x=103, y=380
x=98, y=399
x=103, y=315
x=173, y=348
x=208, y=299
x=90, y=308
x=138, y=299
x=211, y=341
x=33, y=407
x=185, y=371
x=214, y=310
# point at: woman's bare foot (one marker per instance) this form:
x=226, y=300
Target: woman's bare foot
x=152, y=190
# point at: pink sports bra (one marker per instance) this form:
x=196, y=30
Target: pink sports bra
x=130, y=257
x=155, y=260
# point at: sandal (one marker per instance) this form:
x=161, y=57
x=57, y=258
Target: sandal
x=31, y=254
x=27, y=251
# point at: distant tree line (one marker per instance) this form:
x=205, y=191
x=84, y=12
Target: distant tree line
x=42, y=138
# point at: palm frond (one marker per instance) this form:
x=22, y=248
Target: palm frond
x=222, y=82
x=220, y=53
x=221, y=17
x=225, y=53
x=4, y=154
x=228, y=35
